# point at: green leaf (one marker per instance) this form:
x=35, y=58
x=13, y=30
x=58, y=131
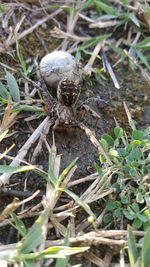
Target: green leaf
x=20, y=57
x=19, y=225
x=64, y=262
x=142, y=217
x=13, y=87
x=133, y=172
x=145, y=252
x=122, y=152
x=133, y=18
x=113, y=152
x=35, y=235
x=108, y=139
x=92, y=42
x=117, y=213
x=104, y=144
x=107, y=8
x=108, y=218
x=137, y=134
x=132, y=250
x=85, y=206
x=3, y=91
x=137, y=223
x=11, y=169
x=98, y=169
x=135, y=207
x=145, y=44
x=128, y=215
x=118, y=132
x=125, y=2
x=139, y=198
x=54, y=252
x=143, y=58
x=147, y=199
x=119, y=51
x=117, y=204
x=110, y=205
x=102, y=159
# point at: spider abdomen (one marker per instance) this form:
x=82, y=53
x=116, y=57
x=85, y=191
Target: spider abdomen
x=68, y=92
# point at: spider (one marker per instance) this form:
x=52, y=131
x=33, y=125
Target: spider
x=64, y=113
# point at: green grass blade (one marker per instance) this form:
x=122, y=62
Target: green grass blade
x=64, y=262
x=3, y=91
x=61, y=177
x=20, y=57
x=145, y=44
x=92, y=42
x=145, y=253
x=35, y=235
x=142, y=58
x=85, y=206
x=13, y=87
x=108, y=9
x=132, y=250
x=11, y=169
x=51, y=175
x=54, y=252
x=18, y=225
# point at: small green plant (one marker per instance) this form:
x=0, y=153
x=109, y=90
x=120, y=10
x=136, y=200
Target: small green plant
x=22, y=252
x=139, y=257
x=55, y=183
x=26, y=70
x=11, y=89
x=131, y=163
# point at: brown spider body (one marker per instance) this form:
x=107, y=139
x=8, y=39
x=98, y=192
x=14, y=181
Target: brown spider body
x=68, y=92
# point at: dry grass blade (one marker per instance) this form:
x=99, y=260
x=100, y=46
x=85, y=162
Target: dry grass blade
x=110, y=70
x=94, y=259
x=8, y=118
x=94, y=191
x=14, y=205
x=88, y=66
x=95, y=142
x=56, y=32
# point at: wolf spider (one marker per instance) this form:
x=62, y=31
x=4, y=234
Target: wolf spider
x=64, y=113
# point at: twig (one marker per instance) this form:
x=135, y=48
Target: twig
x=100, y=237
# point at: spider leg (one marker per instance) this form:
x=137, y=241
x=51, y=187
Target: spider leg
x=94, y=141
x=89, y=109
x=47, y=97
